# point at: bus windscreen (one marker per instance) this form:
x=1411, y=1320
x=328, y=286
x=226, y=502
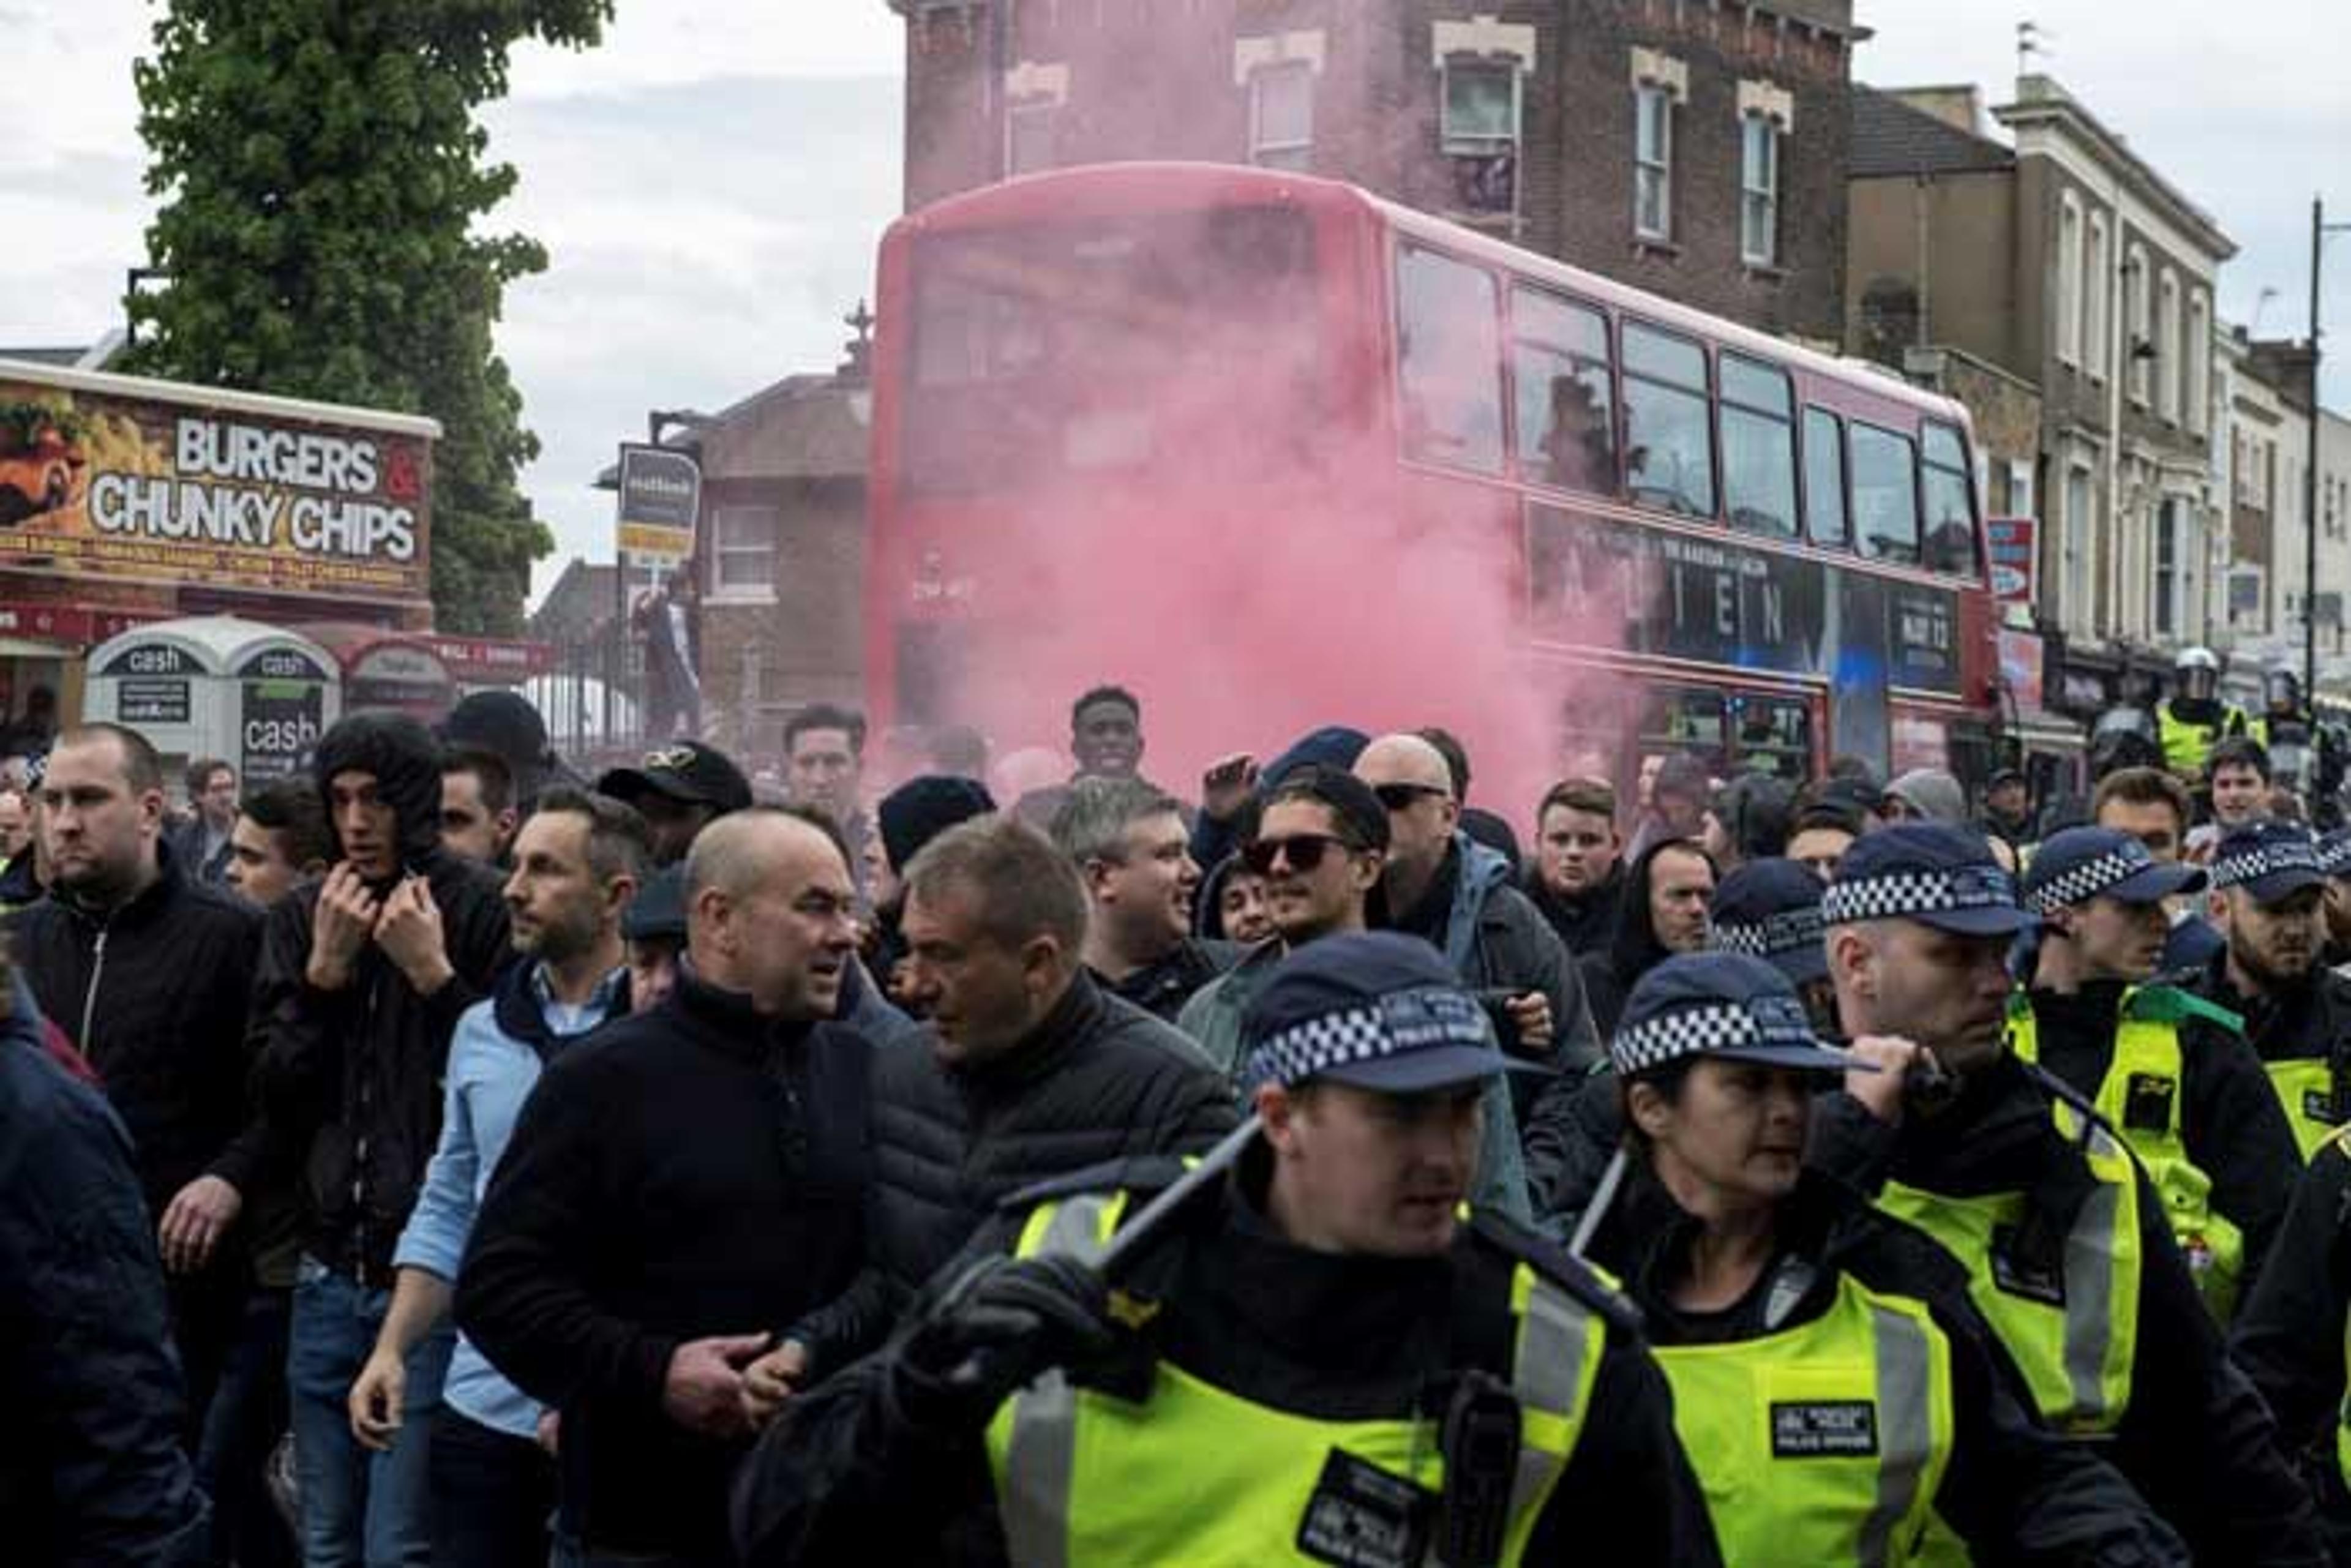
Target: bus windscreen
x=1065, y=351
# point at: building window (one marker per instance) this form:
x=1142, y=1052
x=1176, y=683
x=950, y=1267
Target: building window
x=1823, y=478
x=2198, y=357
x=2096, y=349
x=1669, y=446
x=1449, y=332
x=1480, y=134
x=2021, y=499
x=1029, y=137
x=2069, y=280
x=1281, y=116
x=744, y=541
x=1759, y=447
x=2135, y=322
x=1758, y=191
x=2171, y=368
x=1567, y=423
x=2080, y=530
x=1653, y=162
x=1886, y=494
x=2170, y=579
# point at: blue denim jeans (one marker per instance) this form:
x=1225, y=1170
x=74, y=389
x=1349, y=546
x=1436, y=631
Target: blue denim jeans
x=359, y=1509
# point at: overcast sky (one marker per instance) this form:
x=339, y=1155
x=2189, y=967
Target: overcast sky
x=711, y=182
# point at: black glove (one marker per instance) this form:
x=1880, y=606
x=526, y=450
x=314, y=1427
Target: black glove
x=1002, y=1323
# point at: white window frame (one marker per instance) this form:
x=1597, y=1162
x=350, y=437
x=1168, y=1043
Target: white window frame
x=2138, y=295
x=2080, y=539
x=2170, y=370
x=2098, y=269
x=2021, y=498
x=760, y=588
x=1297, y=153
x=1456, y=142
x=2200, y=362
x=2069, y=279
x=1036, y=112
x=1766, y=195
x=1660, y=168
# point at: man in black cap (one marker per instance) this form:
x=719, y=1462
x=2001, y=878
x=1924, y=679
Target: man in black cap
x=1255, y=1378
x=2170, y=1072
x=909, y=817
x=679, y=790
x=2066, y=1241
x=652, y=936
x=2007, y=808
x=2267, y=899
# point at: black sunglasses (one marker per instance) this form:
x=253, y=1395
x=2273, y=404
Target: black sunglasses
x=1303, y=851
x=1402, y=797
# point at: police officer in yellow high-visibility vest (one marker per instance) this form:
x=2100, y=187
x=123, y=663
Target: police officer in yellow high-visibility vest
x=1322, y=1359
x=1833, y=1386
x=2195, y=717
x=2269, y=893
x=2291, y=1335
x=2063, y=1239
x=2169, y=1071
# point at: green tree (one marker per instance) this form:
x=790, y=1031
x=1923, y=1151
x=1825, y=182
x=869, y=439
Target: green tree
x=321, y=171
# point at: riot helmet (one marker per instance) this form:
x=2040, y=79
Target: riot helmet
x=2196, y=675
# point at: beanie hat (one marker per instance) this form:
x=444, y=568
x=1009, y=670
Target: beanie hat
x=922, y=808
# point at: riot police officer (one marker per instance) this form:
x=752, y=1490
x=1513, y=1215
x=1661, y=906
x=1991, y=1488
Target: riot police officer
x=2195, y=718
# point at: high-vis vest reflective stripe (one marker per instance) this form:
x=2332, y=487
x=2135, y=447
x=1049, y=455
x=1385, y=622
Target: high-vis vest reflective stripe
x=1199, y=1476
x=2140, y=1096
x=2305, y=1087
x=1825, y=1444
x=2186, y=746
x=2074, y=1337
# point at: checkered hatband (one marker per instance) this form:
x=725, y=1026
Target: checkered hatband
x=2089, y=879
x=2234, y=870
x=1710, y=1026
x=2334, y=859
x=1788, y=930
x=1393, y=1025
x=1901, y=895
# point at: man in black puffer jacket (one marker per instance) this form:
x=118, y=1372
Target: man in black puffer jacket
x=1032, y=1071
x=148, y=972
x=362, y=977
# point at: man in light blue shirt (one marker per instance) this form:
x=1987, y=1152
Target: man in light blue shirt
x=577, y=863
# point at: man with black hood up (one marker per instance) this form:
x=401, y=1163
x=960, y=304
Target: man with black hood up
x=362, y=977
x=1664, y=913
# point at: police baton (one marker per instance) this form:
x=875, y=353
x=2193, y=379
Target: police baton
x=1603, y=1197
x=1136, y=1235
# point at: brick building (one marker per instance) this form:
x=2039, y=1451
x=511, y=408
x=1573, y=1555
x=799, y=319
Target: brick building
x=1696, y=150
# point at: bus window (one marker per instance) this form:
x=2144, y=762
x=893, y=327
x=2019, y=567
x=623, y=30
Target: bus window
x=1449, y=339
x=1886, y=494
x=1759, y=447
x=1567, y=434
x=1669, y=448
x=1043, y=354
x=1824, y=479
x=1682, y=718
x=1773, y=735
x=1951, y=506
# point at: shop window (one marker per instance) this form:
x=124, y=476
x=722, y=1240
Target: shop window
x=1759, y=447
x=1669, y=446
x=1886, y=494
x=1566, y=413
x=1449, y=336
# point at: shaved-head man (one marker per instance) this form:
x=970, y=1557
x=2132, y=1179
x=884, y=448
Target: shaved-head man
x=682, y=1189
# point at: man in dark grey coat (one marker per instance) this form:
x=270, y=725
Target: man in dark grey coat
x=1030, y=1069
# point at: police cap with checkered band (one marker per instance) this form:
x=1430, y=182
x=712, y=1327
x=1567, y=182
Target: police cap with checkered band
x=1771, y=909
x=2083, y=863
x=2271, y=861
x=1724, y=1005
x=1938, y=873
x=1372, y=1009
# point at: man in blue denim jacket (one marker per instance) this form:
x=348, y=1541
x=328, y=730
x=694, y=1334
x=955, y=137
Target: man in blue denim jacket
x=577, y=863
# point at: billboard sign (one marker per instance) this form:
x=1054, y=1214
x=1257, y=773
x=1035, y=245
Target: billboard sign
x=2015, y=556
x=164, y=488
x=661, y=497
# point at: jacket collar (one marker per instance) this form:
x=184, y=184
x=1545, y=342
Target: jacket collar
x=1061, y=1034
x=146, y=904
x=727, y=1021
x=522, y=996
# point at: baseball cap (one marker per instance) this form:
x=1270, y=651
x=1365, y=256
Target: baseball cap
x=685, y=771
x=2271, y=861
x=659, y=908
x=1727, y=1005
x=2083, y=863
x=2334, y=852
x=500, y=722
x=1771, y=909
x=1375, y=1009
x=1938, y=873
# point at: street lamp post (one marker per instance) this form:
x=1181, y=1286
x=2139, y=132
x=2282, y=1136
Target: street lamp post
x=2319, y=229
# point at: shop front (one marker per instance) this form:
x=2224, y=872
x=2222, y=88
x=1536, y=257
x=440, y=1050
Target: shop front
x=257, y=696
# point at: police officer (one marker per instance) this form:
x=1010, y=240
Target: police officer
x=1766, y=1287
x=1316, y=1360
x=2269, y=891
x=2196, y=717
x=2169, y=1071
x=2291, y=1335
x=2063, y=1240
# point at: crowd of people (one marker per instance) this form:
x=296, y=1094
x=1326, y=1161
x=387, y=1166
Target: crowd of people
x=440, y=1158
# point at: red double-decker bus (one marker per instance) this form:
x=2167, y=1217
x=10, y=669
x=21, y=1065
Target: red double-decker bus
x=1699, y=537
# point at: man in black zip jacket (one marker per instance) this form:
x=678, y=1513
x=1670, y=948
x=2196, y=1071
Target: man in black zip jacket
x=364, y=975
x=680, y=1187
x=148, y=973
